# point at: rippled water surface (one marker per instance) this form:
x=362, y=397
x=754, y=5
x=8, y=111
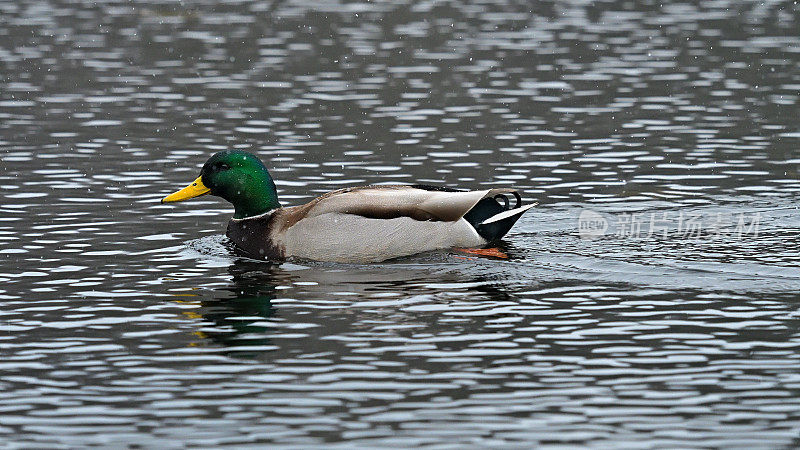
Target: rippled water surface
x=651, y=300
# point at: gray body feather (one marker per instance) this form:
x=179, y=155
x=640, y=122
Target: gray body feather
x=365, y=224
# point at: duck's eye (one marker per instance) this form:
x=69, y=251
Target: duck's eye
x=223, y=166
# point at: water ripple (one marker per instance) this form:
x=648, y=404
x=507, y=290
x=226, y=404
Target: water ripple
x=130, y=322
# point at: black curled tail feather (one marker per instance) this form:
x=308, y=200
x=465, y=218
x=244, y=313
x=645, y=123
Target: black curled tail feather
x=489, y=207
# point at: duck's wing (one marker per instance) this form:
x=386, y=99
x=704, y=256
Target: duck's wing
x=376, y=223
x=424, y=203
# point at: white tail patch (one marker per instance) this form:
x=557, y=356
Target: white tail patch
x=508, y=213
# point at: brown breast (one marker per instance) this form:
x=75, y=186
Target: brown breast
x=252, y=236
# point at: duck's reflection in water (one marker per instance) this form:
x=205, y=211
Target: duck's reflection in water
x=242, y=318
x=238, y=315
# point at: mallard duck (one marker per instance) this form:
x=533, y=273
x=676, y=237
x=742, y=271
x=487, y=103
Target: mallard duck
x=359, y=224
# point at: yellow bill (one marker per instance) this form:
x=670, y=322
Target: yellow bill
x=196, y=189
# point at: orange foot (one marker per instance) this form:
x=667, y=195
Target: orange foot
x=487, y=252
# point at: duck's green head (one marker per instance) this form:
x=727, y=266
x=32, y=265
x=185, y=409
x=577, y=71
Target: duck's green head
x=238, y=177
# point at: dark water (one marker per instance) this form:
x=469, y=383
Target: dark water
x=667, y=133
